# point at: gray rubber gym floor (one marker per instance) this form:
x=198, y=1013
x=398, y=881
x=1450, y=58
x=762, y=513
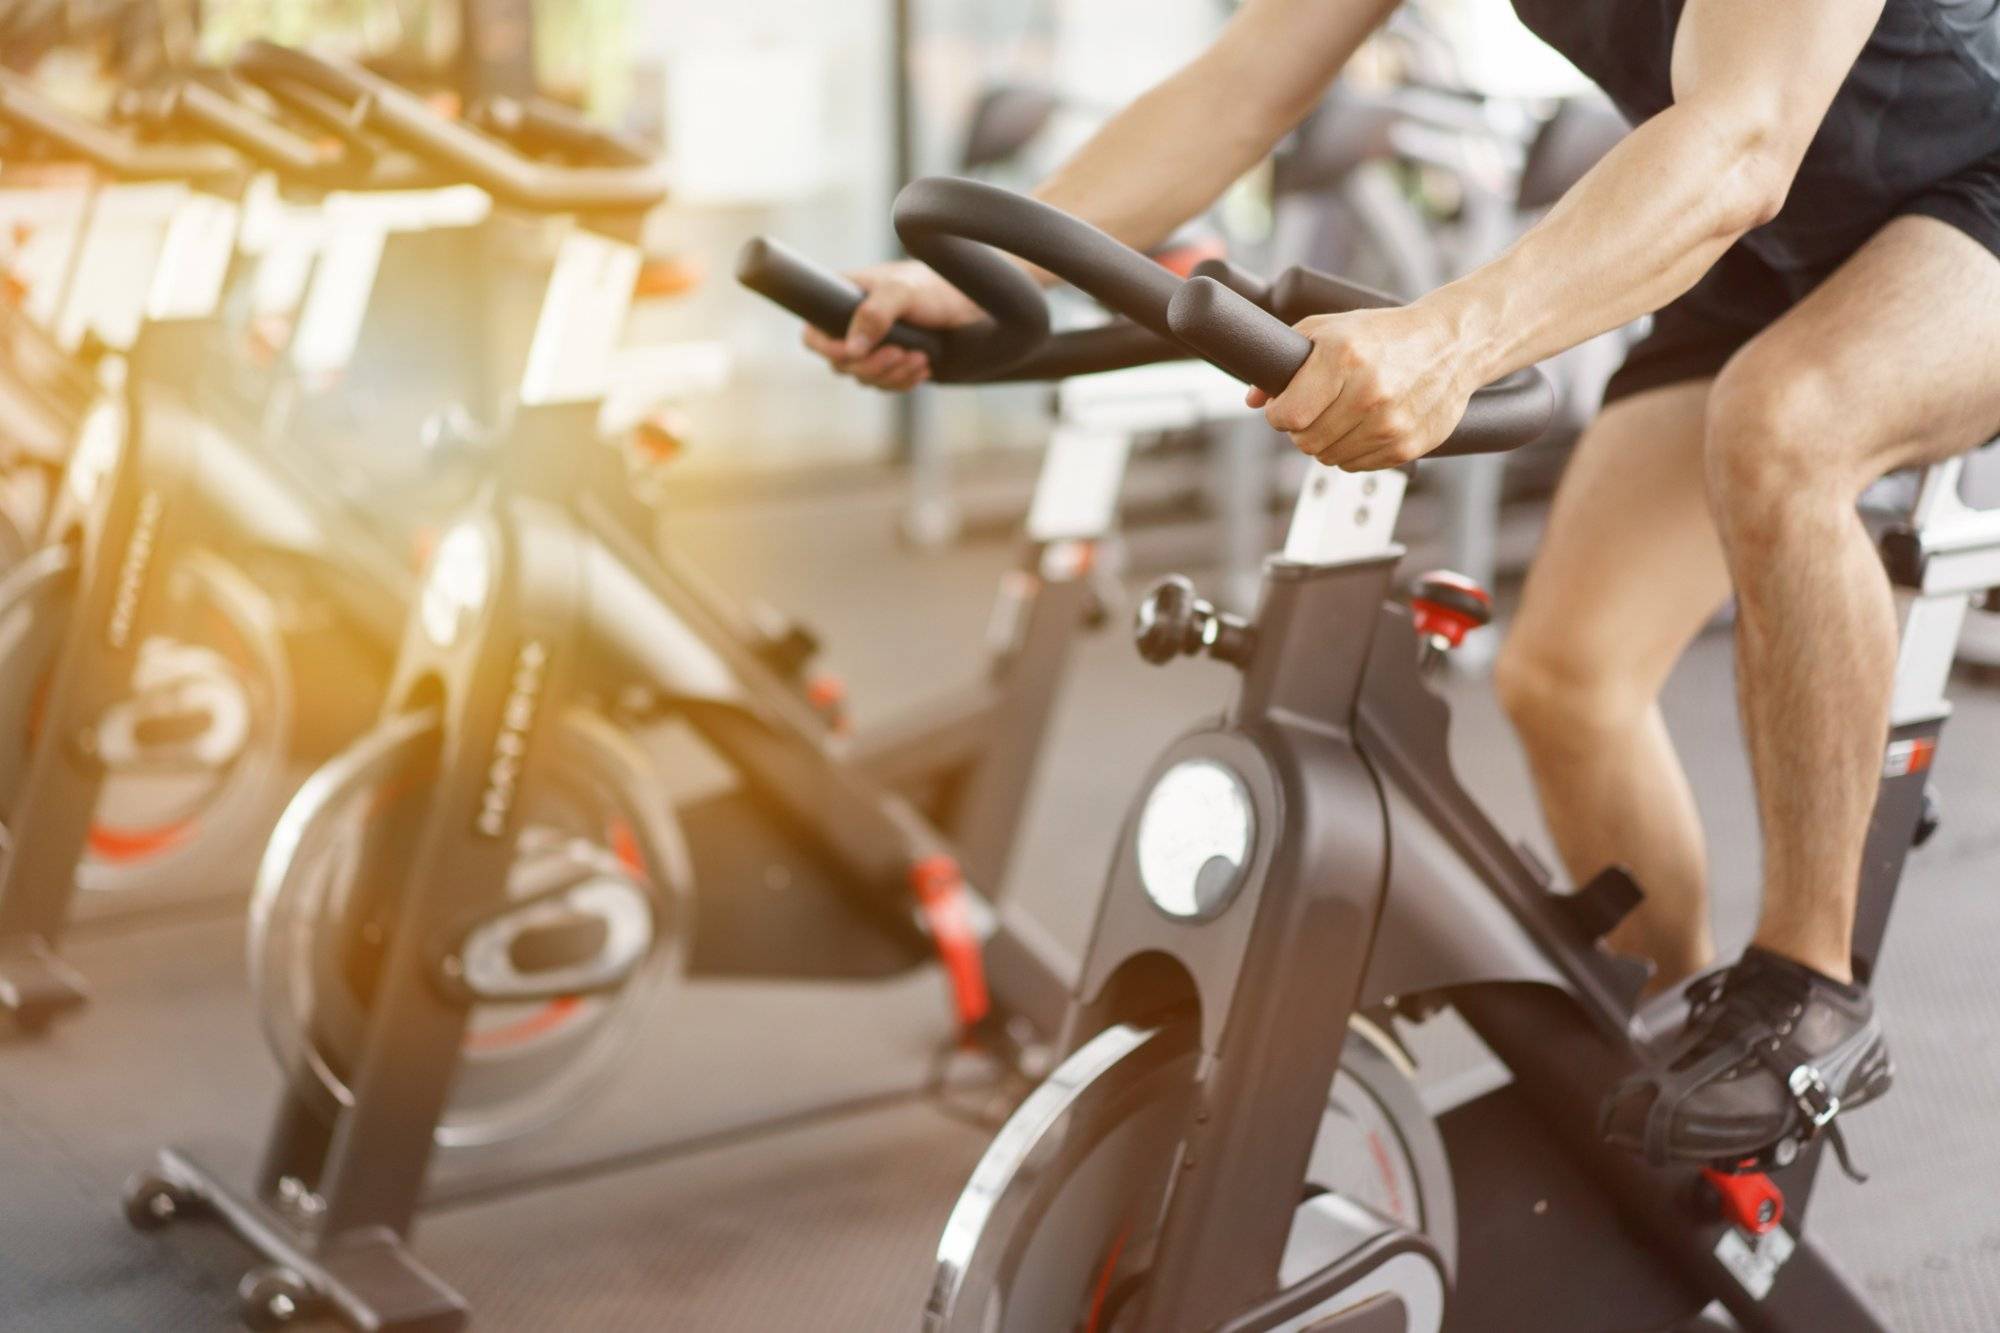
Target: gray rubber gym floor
x=770, y=1161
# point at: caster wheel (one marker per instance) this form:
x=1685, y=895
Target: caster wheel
x=153, y=1201
x=271, y=1298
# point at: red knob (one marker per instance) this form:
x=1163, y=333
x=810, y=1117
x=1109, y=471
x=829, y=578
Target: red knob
x=1749, y=1199
x=828, y=696
x=1448, y=606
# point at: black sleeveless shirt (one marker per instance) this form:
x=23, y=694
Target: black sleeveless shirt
x=1914, y=128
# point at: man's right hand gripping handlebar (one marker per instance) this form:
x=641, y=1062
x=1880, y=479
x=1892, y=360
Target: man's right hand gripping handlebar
x=972, y=234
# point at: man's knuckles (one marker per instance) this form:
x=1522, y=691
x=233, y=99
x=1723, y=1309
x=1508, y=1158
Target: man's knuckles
x=1291, y=415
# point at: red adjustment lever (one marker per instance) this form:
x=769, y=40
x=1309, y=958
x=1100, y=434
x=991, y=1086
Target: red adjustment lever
x=1749, y=1199
x=942, y=896
x=657, y=440
x=1445, y=607
x=828, y=696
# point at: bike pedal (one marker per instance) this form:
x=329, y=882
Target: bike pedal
x=1598, y=907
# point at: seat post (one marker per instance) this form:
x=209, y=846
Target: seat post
x=1941, y=556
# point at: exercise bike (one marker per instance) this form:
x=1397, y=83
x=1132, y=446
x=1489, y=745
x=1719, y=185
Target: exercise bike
x=1233, y=1139
x=459, y=919
x=150, y=679
x=44, y=387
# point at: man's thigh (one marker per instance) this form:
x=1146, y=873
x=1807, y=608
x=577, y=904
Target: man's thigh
x=1896, y=356
x=1630, y=566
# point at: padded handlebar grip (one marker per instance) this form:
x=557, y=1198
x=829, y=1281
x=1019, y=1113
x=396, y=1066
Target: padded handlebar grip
x=1302, y=292
x=1259, y=348
x=537, y=125
x=489, y=163
x=252, y=132
x=1240, y=281
x=23, y=105
x=1234, y=333
x=1506, y=414
x=820, y=298
x=257, y=137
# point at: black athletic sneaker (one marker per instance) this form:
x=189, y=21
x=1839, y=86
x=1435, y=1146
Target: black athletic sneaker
x=1771, y=1052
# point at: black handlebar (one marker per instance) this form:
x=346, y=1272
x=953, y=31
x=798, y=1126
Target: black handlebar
x=116, y=154
x=1235, y=334
x=267, y=141
x=822, y=299
x=967, y=230
x=542, y=128
x=1259, y=348
x=503, y=172
x=258, y=138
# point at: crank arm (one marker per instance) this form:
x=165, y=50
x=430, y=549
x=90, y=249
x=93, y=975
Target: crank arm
x=1394, y=1282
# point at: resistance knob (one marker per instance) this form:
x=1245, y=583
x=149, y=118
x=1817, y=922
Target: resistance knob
x=1446, y=606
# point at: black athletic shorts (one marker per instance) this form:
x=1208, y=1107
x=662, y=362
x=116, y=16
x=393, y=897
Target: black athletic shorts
x=1914, y=128
x=1693, y=337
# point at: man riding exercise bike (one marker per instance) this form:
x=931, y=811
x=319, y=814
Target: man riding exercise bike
x=1811, y=203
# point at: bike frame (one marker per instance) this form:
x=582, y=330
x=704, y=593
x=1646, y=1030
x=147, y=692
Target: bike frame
x=160, y=473
x=1373, y=877
x=888, y=840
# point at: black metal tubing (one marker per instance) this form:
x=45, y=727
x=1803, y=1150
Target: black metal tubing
x=24, y=106
x=540, y=127
x=982, y=745
x=1892, y=828
x=1404, y=728
x=258, y=137
x=328, y=114
x=402, y=117
x=269, y=143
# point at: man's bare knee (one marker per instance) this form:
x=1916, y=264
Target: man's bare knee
x=1776, y=439
x=1560, y=694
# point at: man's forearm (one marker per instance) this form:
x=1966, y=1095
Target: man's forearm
x=1638, y=230
x=1164, y=159
x=1173, y=152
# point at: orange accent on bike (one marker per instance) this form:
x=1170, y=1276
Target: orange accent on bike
x=942, y=896
x=423, y=544
x=625, y=846
x=1399, y=1207
x=1183, y=260
x=675, y=275
x=657, y=440
x=827, y=694
x=1102, y=1292
x=544, y=1020
x=266, y=338
x=110, y=844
